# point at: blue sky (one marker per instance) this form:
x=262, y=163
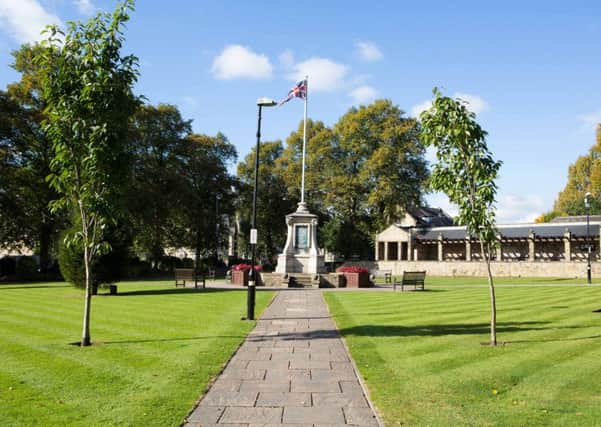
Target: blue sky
x=531, y=70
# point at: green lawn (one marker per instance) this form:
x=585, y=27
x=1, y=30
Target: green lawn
x=420, y=354
x=156, y=349
x=477, y=280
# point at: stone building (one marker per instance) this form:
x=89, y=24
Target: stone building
x=427, y=240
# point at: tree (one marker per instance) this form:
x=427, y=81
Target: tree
x=584, y=176
x=377, y=168
x=273, y=202
x=31, y=157
x=205, y=182
x=87, y=86
x=156, y=135
x=318, y=153
x=466, y=172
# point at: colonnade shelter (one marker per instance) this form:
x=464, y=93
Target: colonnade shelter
x=427, y=234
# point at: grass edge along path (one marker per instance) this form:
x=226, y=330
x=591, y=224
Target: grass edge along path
x=420, y=356
x=155, y=351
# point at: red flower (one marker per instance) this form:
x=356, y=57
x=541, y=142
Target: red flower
x=245, y=267
x=352, y=269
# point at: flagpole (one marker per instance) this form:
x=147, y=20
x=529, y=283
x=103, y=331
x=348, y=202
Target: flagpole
x=304, y=141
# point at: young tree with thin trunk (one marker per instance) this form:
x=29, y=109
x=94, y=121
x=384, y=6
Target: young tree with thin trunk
x=466, y=172
x=87, y=86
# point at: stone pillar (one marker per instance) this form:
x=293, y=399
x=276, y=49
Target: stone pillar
x=567, y=246
x=410, y=246
x=440, y=249
x=385, y=251
x=468, y=249
x=377, y=248
x=399, y=251
x=531, y=237
x=499, y=248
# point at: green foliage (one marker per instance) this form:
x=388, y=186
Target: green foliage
x=378, y=168
x=345, y=239
x=107, y=268
x=29, y=161
x=206, y=191
x=154, y=193
x=27, y=268
x=584, y=176
x=273, y=201
x=465, y=171
x=88, y=88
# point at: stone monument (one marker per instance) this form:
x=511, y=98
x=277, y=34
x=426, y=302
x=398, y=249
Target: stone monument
x=300, y=254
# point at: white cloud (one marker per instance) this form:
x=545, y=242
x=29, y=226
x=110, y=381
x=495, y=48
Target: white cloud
x=363, y=94
x=25, y=19
x=417, y=109
x=431, y=154
x=590, y=120
x=368, y=51
x=513, y=208
x=236, y=61
x=324, y=74
x=474, y=103
x=287, y=58
x=85, y=7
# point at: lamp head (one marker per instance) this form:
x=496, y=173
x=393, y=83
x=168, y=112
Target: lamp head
x=586, y=197
x=266, y=102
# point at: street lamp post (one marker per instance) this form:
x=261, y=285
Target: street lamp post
x=250, y=300
x=587, y=205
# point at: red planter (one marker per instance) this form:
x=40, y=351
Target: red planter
x=357, y=280
x=240, y=277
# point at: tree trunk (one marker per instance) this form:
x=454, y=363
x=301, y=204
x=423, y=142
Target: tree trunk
x=45, y=233
x=85, y=336
x=197, y=253
x=493, y=301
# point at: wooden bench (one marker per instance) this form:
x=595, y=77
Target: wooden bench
x=189, y=274
x=411, y=278
x=386, y=274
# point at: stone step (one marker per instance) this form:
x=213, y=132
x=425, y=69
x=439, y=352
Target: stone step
x=303, y=281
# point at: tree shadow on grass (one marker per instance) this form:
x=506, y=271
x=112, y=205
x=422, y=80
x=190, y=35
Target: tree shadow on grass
x=440, y=329
x=156, y=340
x=9, y=286
x=174, y=291
x=409, y=331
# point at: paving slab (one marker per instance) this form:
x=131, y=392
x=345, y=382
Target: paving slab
x=293, y=370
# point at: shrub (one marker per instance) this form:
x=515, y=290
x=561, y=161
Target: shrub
x=27, y=268
x=108, y=268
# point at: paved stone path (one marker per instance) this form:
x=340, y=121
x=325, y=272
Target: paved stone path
x=292, y=370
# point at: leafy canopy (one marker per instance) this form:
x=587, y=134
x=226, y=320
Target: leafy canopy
x=466, y=170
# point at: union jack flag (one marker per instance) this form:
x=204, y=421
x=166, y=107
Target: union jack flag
x=299, y=90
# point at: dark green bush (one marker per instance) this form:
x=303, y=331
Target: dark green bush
x=107, y=268
x=27, y=268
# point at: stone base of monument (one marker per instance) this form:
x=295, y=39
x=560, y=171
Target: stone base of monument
x=299, y=280
x=300, y=254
